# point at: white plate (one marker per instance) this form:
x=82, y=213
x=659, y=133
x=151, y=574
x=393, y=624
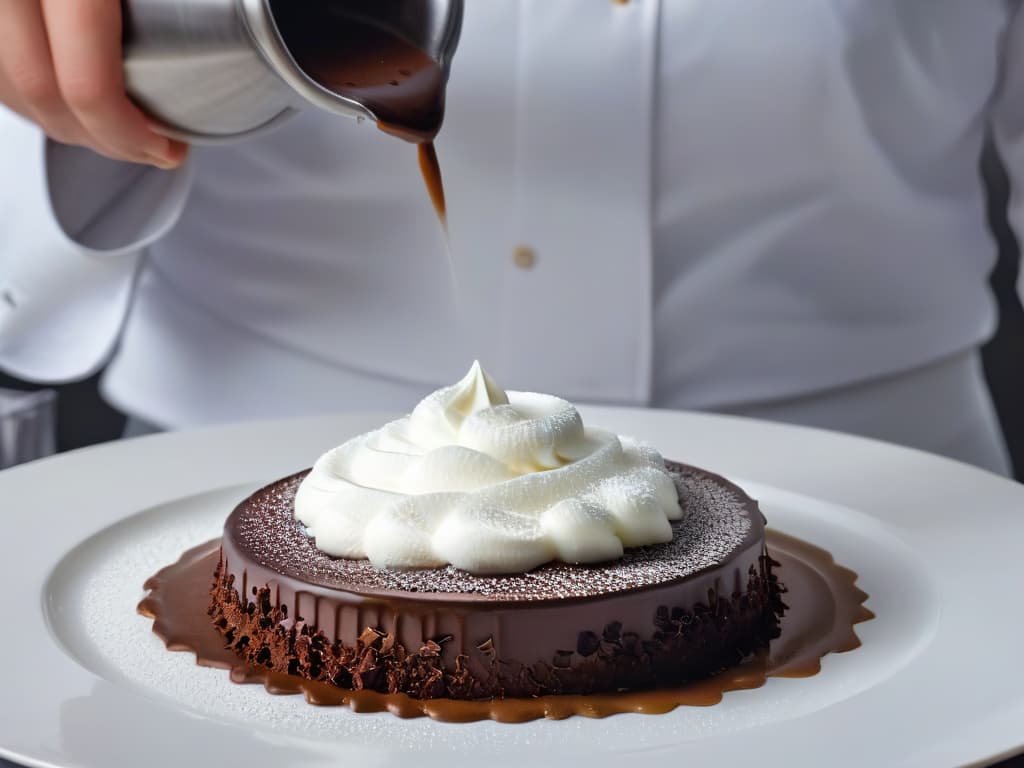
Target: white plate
x=938, y=680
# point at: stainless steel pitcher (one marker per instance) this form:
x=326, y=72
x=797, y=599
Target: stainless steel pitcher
x=217, y=70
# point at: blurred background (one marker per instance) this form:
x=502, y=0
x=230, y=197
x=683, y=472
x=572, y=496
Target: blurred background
x=83, y=418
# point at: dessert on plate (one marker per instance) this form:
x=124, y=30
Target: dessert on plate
x=489, y=545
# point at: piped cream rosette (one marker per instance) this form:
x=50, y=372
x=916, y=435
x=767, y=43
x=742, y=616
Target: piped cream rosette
x=489, y=482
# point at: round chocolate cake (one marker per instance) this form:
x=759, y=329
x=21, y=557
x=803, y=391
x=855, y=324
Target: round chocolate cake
x=661, y=615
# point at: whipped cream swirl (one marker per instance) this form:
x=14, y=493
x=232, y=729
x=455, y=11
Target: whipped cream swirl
x=490, y=482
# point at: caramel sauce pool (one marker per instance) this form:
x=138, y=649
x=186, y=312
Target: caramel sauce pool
x=824, y=606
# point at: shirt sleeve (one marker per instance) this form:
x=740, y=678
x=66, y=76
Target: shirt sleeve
x=110, y=208
x=1008, y=122
x=73, y=229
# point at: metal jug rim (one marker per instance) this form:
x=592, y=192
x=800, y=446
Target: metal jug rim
x=259, y=18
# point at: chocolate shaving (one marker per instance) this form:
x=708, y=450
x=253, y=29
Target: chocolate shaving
x=371, y=638
x=368, y=661
x=487, y=649
x=430, y=648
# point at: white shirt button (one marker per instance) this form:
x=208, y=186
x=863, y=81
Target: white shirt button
x=524, y=257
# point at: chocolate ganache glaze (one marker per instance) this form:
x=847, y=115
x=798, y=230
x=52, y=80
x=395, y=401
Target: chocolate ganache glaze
x=663, y=614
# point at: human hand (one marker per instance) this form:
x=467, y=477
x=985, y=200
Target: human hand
x=61, y=67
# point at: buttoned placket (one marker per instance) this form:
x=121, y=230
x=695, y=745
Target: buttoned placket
x=576, y=280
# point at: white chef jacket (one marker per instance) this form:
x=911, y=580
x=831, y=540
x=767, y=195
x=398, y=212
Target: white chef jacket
x=676, y=203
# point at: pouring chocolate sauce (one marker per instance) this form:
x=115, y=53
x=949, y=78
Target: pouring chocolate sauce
x=351, y=54
x=214, y=71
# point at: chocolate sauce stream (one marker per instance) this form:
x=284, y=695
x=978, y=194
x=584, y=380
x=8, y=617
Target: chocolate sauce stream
x=342, y=50
x=431, y=170
x=824, y=606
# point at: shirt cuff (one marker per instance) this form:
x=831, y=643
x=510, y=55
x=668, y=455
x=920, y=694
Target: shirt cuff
x=108, y=207
x=70, y=247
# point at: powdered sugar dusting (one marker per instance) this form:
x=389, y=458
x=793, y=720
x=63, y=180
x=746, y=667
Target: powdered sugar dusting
x=719, y=520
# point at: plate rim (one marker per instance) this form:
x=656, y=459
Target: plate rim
x=230, y=455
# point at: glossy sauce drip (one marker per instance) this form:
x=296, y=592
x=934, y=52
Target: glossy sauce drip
x=431, y=171
x=340, y=48
x=824, y=605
